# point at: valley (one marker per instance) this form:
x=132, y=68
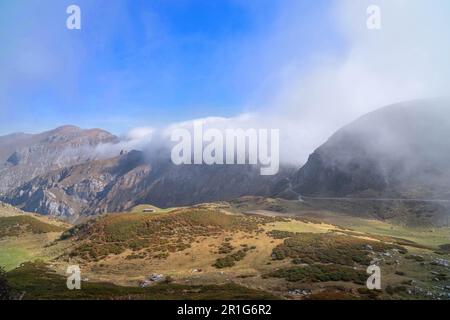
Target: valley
x=212, y=247
x=224, y=150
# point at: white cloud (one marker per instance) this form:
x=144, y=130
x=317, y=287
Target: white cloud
x=405, y=60
x=140, y=133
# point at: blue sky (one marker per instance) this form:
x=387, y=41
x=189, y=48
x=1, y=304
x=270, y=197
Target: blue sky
x=152, y=62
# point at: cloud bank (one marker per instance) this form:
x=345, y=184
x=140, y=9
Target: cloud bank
x=307, y=95
x=407, y=59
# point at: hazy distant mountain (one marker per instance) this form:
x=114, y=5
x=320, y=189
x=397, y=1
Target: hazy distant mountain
x=401, y=150
x=25, y=156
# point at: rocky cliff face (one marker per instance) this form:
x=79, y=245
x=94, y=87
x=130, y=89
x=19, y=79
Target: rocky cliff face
x=399, y=151
x=25, y=156
x=168, y=185
x=58, y=173
x=79, y=189
x=123, y=182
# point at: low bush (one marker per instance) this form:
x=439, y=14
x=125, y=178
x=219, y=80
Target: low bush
x=230, y=260
x=226, y=248
x=308, y=248
x=320, y=273
x=277, y=234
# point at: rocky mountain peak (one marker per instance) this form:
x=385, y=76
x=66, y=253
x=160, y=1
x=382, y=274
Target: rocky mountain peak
x=25, y=156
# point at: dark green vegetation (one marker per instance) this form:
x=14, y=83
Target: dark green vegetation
x=277, y=234
x=395, y=289
x=326, y=257
x=38, y=282
x=320, y=273
x=230, y=260
x=159, y=235
x=17, y=225
x=225, y=248
x=5, y=289
x=334, y=248
x=444, y=248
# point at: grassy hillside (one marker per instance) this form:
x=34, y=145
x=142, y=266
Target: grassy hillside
x=142, y=207
x=150, y=235
x=37, y=281
x=235, y=250
x=7, y=210
x=17, y=225
x=24, y=237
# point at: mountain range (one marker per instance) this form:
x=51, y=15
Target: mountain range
x=400, y=151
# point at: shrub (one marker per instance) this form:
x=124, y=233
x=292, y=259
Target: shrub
x=277, y=234
x=310, y=248
x=226, y=248
x=230, y=260
x=320, y=273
